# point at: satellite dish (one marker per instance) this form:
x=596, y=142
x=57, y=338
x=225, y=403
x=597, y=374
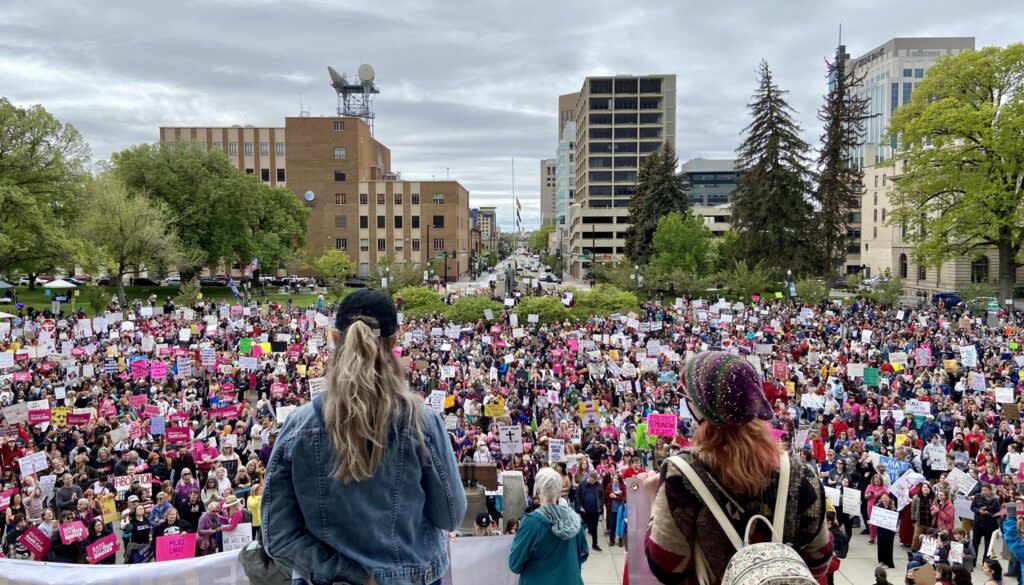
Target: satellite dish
x=309, y=196
x=366, y=73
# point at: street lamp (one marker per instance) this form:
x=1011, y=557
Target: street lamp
x=637, y=278
x=385, y=280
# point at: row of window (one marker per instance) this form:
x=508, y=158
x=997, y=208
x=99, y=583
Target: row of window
x=606, y=162
x=248, y=146
x=615, y=147
x=364, y=199
x=625, y=103
x=626, y=132
x=625, y=85
x=341, y=222
x=624, y=118
x=915, y=73
x=382, y=245
x=265, y=174
x=606, y=176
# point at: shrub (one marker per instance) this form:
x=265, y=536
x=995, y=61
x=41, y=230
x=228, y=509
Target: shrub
x=603, y=300
x=420, y=301
x=471, y=309
x=548, y=309
x=811, y=291
x=188, y=293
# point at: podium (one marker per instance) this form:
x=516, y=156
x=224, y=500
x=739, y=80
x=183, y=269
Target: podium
x=485, y=475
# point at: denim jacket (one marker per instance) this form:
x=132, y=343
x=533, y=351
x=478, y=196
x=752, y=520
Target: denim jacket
x=390, y=527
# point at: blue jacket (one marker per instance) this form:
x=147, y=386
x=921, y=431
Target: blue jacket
x=391, y=527
x=1012, y=538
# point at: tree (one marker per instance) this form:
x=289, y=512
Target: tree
x=745, y=280
x=771, y=211
x=839, y=181
x=811, y=291
x=42, y=168
x=681, y=243
x=724, y=251
x=334, y=268
x=420, y=301
x=538, y=242
x=128, y=232
x=961, y=185
x=659, y=192
x=399, y=274
x=471, y=309
x=602, y=301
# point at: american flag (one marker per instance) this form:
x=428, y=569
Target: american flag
x=252, y=266
x=519, y=215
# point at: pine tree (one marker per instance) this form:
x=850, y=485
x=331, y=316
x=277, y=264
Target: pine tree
x=771, y=211
x=659, y=192
x=839, y=181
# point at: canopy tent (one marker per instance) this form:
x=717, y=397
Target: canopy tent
x=5, y=285
x=59, y=283
x=6, y=315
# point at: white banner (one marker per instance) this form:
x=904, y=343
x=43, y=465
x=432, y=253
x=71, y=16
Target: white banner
x=473, y=561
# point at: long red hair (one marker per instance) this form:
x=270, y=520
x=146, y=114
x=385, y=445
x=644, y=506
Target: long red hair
x=742, y=458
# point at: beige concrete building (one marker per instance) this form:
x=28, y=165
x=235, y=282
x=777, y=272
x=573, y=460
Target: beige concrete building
x=566, y=111
x=343, y=175
x=547, y=191
x=619, y=121
x=487, y=221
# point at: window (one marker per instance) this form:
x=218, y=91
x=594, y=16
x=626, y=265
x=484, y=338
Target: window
x=876, y=180
x=903, y=265
x=339, y=176
x=248, y=149
x=265, y=174
x=908, y=73
x=876, y=198
x=438, y=199
x=650, y=133
x=399, y=246
x=364, y=269
x=364, y=222
x=364, y=199
x=628, y=132
x=884, y=177
x=339, y=125
x=650, y=103
x=341, y=244
x=415, y=199
x=438, y=221
x=439, y=244
x=382, y=244
x=650, y=118
x=249, y=171
x=233, y=148
x=340, y=222
x=415, y=222
x=380, y=222
x=883, y=215
x=217, y=146
x=922, y=272
x=918, y=73
x=600, y=118
x=979, y=269
x=415, y=244
x=398, y=222
x=625, y=103
x=380, y=199
x=339, y=152
x=340, y=199
x=398, y=198
x=280, y=175
x=264, y=149
x=600, y=176
x=650, y=86
x=875, y=214
x=600, y=132
x=364, y=245
x=907, y=88
x=279, y=147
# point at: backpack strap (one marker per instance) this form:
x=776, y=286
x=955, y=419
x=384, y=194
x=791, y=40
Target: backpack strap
x=708, y=499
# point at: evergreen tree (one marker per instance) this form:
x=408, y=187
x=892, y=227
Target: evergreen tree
x=659, y=192
x=839, y=181
x=771, y=211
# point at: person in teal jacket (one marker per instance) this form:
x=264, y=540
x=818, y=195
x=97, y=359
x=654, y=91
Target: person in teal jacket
x=1011, y=536
x=551, y=543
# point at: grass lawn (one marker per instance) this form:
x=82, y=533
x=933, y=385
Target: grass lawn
x=37, y=298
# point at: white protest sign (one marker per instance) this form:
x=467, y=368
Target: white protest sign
x=918, y=407
x=835, y=496
x=1004, y=395
x=33, y=463
x=956, y=552
x=238, y=538
x=511, y=438
x=883, y=518
x=316, y=386
x=436, y=400
x=284, y=411
x=851, y=501
x=968, y=356
x=556, y=450
x=248, y=363
x=961, y=482
x=962, y=507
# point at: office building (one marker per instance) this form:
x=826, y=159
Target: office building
x=619, y=121
x=891, y=72
x=711, y=186
x=565, y=183
x=547, y=191
x=566, y=112
x=488, y=223
x=343, y=175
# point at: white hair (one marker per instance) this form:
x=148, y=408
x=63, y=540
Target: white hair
x=547, y=485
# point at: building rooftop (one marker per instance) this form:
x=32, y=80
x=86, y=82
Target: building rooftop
x=709, y=165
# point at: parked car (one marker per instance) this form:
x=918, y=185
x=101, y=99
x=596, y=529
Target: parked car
x=74, y=281
x=356, y=282
x=103, y=281
x=211, y=282
x=172, y=281
x=948, y=297
x=550, y=277
x=40, y=280
x=142, y=281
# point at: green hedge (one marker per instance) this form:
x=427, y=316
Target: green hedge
x=548, y=309
x=471, y=309
x=420, y=301
x=602, y=301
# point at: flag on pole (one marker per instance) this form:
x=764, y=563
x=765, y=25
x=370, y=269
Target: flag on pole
x=234, y=288
x=519, y=215
x=252, y=266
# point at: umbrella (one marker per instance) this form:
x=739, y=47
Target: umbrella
x=6, y=315
x=5, y=285
x=59, y=283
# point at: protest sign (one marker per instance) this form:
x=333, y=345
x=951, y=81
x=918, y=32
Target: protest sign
x=919, y=407
x=178, y=434
x=923, y=355
x=855, y=370
x=248, y=363
x=16, y=413
x=1004, y=395
x=511, y=439
x=956, y=552
x=960, y=482
x=871, y=377
x=158, y=370
x=436, y=400
x=901, y=488
x=835, y=496
x=662, y=425
x=978, y=382
x=780, y=370
x=1011, y=411
x=962, y=507
x=36, y=541
x=72, y=532
x=884, y=518
x=494, y=409
x=851, y=501
x=556, y=450
x=284, y=411
x=894, y=468
x=5, y=498
x=101, y=549
x=968, y=356
x=239, y=537
x=156, y=425
x=317, y=386
x=33, y=463
x=178, y=546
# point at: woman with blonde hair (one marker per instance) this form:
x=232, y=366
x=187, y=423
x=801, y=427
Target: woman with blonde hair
x=370, y=455
x=741, y=468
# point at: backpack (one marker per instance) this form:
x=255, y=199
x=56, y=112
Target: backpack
x=246, y=515
x=764, y=563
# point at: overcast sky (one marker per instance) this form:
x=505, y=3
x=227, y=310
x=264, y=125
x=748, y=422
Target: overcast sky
x=465, y=85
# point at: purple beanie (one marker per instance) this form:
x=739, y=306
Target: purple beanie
x=724, y=389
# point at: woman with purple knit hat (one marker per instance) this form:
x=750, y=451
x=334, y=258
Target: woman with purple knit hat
x=735, y=456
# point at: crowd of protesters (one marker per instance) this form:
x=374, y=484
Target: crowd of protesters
x=159, y=421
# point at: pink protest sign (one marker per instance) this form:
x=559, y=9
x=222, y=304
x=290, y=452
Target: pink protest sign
x=22, y=376
x=137, y=400
x=923, y=355
x=72, y=532
x=5, y=498
x=178, y=434
x=777, y=434
x=164, y=351
x=662, y=425
x=140, y=368
x=178, y=546
x=278, y=389
x=236, y=310
x=151, y=410
x=78, y=351
x=40, y=416
x=158, y=370
x=77, y=419
x=257, y=350
x=101, y=549
x=779, y=370
x=108, y=409
x=36, y=542
x=227, y=387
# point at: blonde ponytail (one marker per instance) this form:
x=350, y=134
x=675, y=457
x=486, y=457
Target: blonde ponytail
x=367, y=399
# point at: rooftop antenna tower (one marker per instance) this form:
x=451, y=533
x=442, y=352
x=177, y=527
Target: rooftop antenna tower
x=303, y=110
x=354, y=99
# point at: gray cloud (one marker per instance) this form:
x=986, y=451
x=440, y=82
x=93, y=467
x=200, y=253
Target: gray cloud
x=466, y=86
